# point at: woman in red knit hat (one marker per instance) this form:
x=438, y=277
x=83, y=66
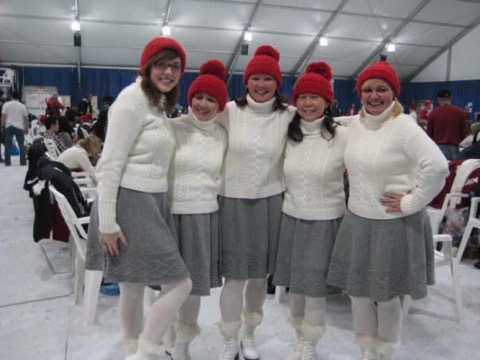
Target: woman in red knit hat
x=193, y=191
x=251, y=199
x=313, y=207
x=384, y=247
x=132, y=220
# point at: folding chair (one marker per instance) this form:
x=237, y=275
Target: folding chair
x=88, y=279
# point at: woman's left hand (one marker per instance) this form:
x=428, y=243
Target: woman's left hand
x=391, y=202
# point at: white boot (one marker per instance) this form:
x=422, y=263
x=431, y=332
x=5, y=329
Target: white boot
x=297, y=352
x=230, y=332
x=386, y=349
x=368, y=347
x=312, y=335
x=148, y=350
x=185, y=334
x=251, y=321
x=130, y=346
x=169, y=337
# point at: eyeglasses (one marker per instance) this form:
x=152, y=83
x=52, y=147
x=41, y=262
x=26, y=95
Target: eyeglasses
x=176, y=68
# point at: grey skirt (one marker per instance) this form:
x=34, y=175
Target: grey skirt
x=151, y=256
x=249, y=231
x=383, y=259
x=303, y=256
x=199, y=248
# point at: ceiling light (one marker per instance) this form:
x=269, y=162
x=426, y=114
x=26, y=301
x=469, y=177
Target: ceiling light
x=391, y=47
x=248, y=36
x=75, y=26
x=166, y=31
x=323, y=41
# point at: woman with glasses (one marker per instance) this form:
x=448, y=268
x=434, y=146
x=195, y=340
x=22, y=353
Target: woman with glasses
x=132, y=218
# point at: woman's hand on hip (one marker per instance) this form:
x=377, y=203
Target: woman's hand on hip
x=109, y=242
x=391, y=202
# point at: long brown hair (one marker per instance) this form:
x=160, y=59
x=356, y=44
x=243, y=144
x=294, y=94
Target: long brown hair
x=153, y=94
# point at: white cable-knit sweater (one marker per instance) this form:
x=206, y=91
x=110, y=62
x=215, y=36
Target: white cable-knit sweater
x=136, y=154
x=257, y=135
x=391, y=154
x=314, y=171
x=196, y=165
x=77, y=157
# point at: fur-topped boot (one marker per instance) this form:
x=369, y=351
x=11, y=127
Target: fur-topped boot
x=312, y=335
x=368, y=347
x=386, y=349
x=297, y=352
x=250, y=322
x=230, y=332
x=130, y=345
x=148, y=350
x=185, y=334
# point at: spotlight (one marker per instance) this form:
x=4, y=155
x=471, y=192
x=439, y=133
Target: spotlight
x=248, y=36
x=323, y=41
x=391, y=47
x=75, y=26
x=166, y=31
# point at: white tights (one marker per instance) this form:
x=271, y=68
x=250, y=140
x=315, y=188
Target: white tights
x=161, y=313
x=311, y=309
x=231, y=297
x=188, y=313
x=383, y=319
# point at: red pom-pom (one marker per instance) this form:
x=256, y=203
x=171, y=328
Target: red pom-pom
x=214, y=67
x=269, y=51
x=321, y=68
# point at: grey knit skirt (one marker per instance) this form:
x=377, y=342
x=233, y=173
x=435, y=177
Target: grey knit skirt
x=199, y=247
x=151, y=256
x=383, y=259
x=249, y=231
x=303, y=255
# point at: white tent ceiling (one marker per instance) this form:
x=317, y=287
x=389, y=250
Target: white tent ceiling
x=114, y=32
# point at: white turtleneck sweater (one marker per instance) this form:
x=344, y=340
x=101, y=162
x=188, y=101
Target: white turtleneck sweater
x=136, y=154
x=314, y=171
x=196, y=165
x=257, y=135
x=391, y=154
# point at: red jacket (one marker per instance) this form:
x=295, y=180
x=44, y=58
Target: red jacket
x=448, y=124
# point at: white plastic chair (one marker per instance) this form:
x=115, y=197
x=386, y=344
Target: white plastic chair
x=472, y=223
x=89, y=279
x=443, y=257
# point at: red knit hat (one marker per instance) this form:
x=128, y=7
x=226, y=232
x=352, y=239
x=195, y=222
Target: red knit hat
x=264, y=61
x=316, y=80
x=211, y=81
x=158, y=44
x=379, y=70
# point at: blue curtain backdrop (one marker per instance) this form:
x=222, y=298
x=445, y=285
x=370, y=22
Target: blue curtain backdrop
x=102, y=82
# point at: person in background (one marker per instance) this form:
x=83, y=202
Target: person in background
x=384, y=247
x=85, y=105
x=313, y=207
x=65, y=131
x=54, y=106
x=99, y=127
x=83, y=156
x=251, y=199
x=14, y=123
x=447, y=125
x=194, y=173
x=131, y=219
x=52, y=127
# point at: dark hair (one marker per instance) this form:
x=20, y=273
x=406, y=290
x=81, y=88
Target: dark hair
x=65, y=125
x=16, y=95
x=49, y=121
x=281, y=101
x=328, y=126
x=152, y=93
